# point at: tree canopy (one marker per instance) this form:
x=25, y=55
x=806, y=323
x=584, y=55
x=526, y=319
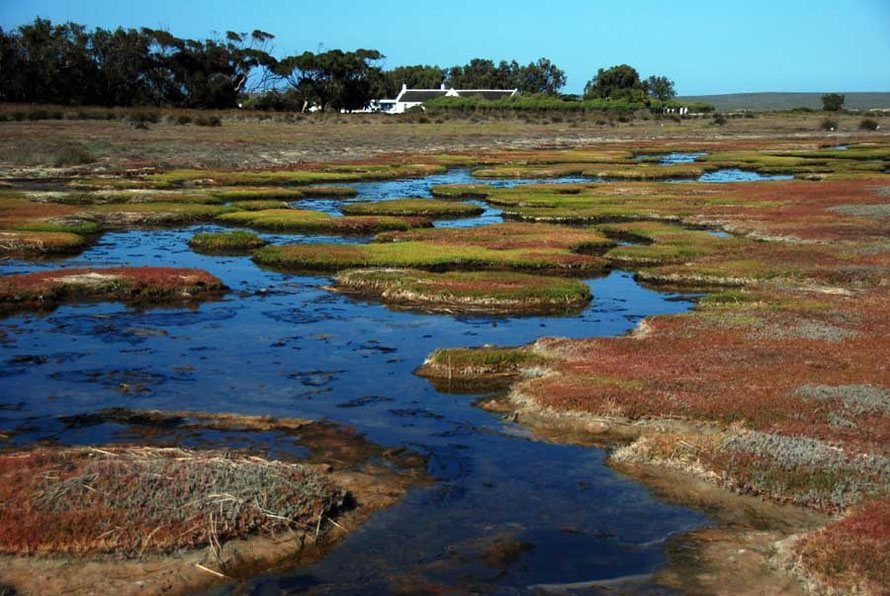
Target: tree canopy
x=623, y=82
x=833, y=102
x=66, y=64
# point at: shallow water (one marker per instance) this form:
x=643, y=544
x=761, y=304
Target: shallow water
x=737, y=175
x=669, y=159
x=281, y=345
x=420, y=188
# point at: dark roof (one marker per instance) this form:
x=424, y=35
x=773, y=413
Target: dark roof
x=486, y=93
x=422, y=94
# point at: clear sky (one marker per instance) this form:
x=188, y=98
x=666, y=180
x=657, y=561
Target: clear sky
x=705, y=47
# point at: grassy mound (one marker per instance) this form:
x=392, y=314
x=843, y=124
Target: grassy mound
x=421, y=255
x=461, y=191
x=414, y=207
x=128, y=284
x=226, y=241
x=40, y=242
x=469, y=363
x=315, y=222
x=487, y=291
x=258, y=194
x=333, y=173
x=132, y=500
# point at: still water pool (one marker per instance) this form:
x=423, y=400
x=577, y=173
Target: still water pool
x=281, y=345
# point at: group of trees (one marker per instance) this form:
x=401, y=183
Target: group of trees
x=623, y=82
x=67, y=64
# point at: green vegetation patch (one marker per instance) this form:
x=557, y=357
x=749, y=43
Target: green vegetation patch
x=258, y=194
x=226, y=241
x=513, y=246
x=471, y=363
x=259, y=205
x=663, y=243
x=414, y=207
x=509, y=236
x=421, y=255
x=40, y=242
x=461, y=191
x=334, y=173
x=73, y=227
x=315, y=222
x=89, y=501
x=478, y=291
x=644, y=171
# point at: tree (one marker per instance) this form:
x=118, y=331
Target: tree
x=833, y=102
x=415, y=77
x=541, y=77
x=608, y=82
x=536, y=77
x=479, y=73
x=333, y=79
x=659, y=88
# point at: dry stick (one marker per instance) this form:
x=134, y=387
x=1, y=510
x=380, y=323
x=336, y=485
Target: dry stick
x=147, y=540
x=317, y=529
x=335, y=523
x=208, y=570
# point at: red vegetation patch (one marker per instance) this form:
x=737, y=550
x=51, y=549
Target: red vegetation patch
x=851, y=555
x=741, y=364
x=136, y=284
x=132, y=500
x=509, y=236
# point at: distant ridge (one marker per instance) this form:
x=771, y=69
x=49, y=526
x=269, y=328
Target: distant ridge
x=762, y=102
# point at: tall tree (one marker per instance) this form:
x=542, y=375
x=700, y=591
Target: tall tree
x=333, y=79
x=541, y=77
x=415, y=77
x=833, y=102
x=613, y=82
x=659, y=88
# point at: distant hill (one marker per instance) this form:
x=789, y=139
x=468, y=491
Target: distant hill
x=763, y=102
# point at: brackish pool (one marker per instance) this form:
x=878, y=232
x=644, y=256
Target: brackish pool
x=281, y=345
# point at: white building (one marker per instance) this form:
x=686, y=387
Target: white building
x=410, y=98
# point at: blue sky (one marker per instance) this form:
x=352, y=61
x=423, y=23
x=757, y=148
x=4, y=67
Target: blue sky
x=705, y=47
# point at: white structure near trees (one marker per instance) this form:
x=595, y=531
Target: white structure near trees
x=410, y=98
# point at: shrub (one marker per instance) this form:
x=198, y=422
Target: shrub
x=869, y=124
x=832, y=102
x=829, y=124
x=208, y=121
x=143, y=117
x=183, y=119
x=719, y=120
x=72, y=154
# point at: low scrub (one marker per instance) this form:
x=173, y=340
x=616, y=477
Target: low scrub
x=129, y=501
x=850, y=556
